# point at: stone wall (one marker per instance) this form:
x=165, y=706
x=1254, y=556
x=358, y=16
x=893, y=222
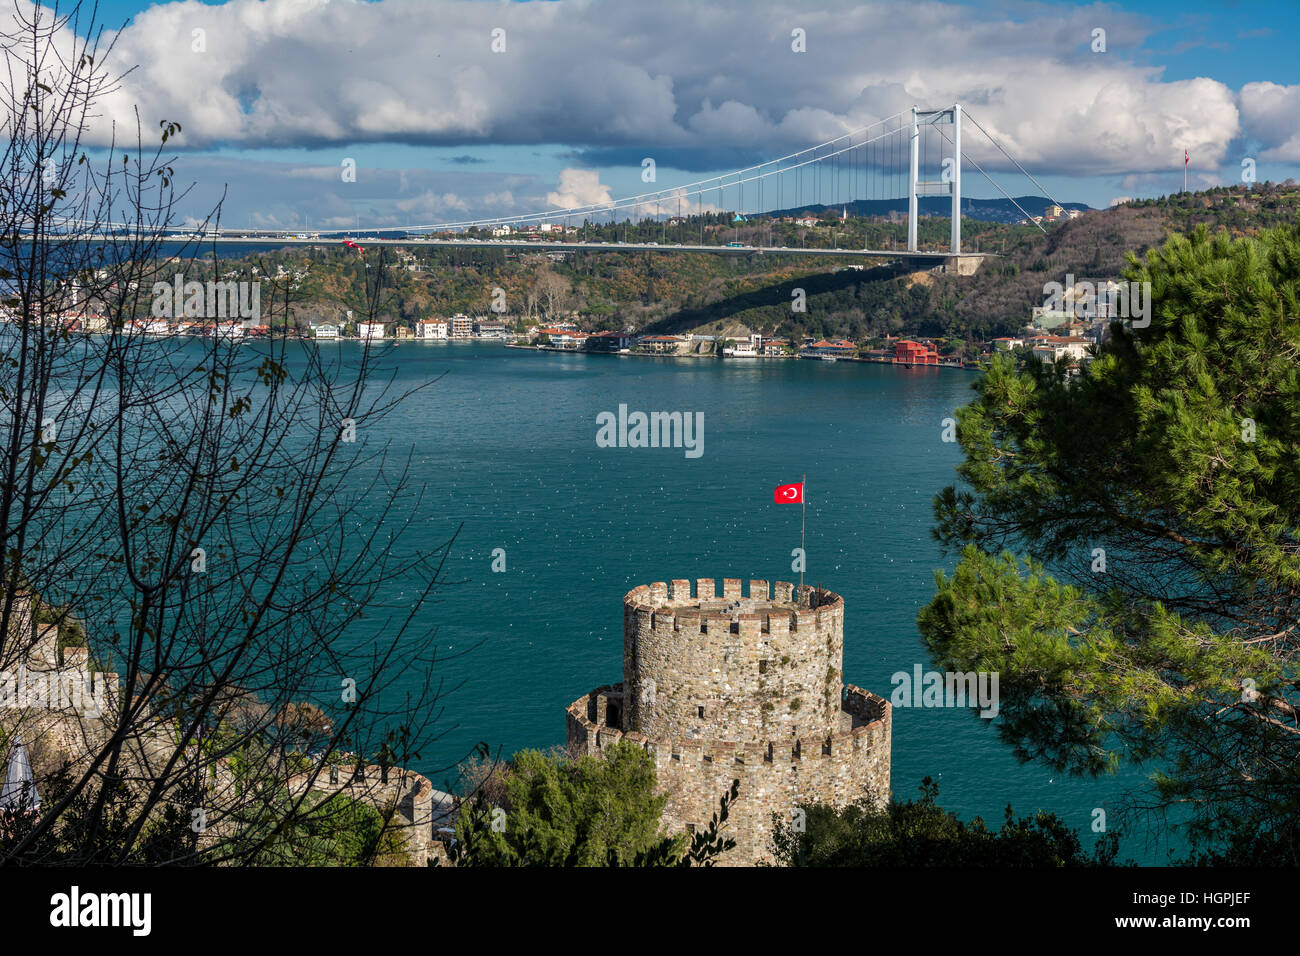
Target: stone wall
x=734, y=666
x=775, y=775
x=741, y=686
x=409, y=794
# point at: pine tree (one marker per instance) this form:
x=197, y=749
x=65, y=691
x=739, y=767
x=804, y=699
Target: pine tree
x=1130, y=546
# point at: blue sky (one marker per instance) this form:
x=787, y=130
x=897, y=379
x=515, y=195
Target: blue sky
x=441, y=129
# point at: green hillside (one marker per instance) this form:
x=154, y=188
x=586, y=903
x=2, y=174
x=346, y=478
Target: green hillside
x=666, y=292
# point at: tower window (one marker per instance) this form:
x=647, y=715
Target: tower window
x=700, y=710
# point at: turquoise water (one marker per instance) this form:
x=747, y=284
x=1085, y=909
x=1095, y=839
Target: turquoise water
x=505, y=443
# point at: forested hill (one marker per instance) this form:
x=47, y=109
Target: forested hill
x=662, y=292
x=986, y=210
x=997, y=300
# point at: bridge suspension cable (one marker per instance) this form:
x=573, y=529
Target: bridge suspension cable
x=879, y=155
x=698, y=187
x=966, y=158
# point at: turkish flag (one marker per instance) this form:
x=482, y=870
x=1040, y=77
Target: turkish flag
x=788, y=494
x=1186, y=158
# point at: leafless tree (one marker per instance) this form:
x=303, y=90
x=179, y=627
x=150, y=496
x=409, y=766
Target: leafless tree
x=217, y=517
x=551, y=290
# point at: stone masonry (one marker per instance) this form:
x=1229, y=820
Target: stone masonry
x=740, y=687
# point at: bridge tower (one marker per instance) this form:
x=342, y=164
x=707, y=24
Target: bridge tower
x=948, y=185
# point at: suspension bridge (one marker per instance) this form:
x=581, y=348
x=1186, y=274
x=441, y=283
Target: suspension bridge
x=917, y=153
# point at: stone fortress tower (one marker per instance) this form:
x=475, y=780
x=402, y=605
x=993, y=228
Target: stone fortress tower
x=740, y=687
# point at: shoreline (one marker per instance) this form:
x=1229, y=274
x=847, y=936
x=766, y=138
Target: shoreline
x=747, y=358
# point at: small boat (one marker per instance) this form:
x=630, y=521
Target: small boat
x=827, y=358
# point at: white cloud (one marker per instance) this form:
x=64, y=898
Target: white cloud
x=663, y=76
x=673, y=79
x=431, y=205
x=1272, y=113
x=579, y=187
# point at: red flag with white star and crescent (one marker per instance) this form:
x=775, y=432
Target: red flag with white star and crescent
x=789, y=494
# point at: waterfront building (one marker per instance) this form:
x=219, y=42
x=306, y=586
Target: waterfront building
x=431, y=329
x=370, y=330
x=95, y=322
x=325, y=331
x=841, y=348
x=664, y=344
x=915, y=353
x=460, y=326
x=561, y=338
x=750, y=347
x=608, y=341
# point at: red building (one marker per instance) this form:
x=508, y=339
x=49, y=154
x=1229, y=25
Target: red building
x=915, y=353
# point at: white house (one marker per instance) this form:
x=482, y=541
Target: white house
x=431, y=329
x=370, y=330
x=325, y=331
x=745, y=348
x=1056, y=348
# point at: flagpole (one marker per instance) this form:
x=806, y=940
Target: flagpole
x=803, y=502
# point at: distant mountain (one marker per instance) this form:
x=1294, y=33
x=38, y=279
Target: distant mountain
x=984, y=210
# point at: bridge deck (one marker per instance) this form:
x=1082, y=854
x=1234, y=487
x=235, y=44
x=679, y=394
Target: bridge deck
x=558, y=246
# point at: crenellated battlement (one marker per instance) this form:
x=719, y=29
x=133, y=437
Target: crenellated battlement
x=870, y=718
x=726, y=680
x=405, y=798
x=681, y=592
x=761, y=609
x=739, y=662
